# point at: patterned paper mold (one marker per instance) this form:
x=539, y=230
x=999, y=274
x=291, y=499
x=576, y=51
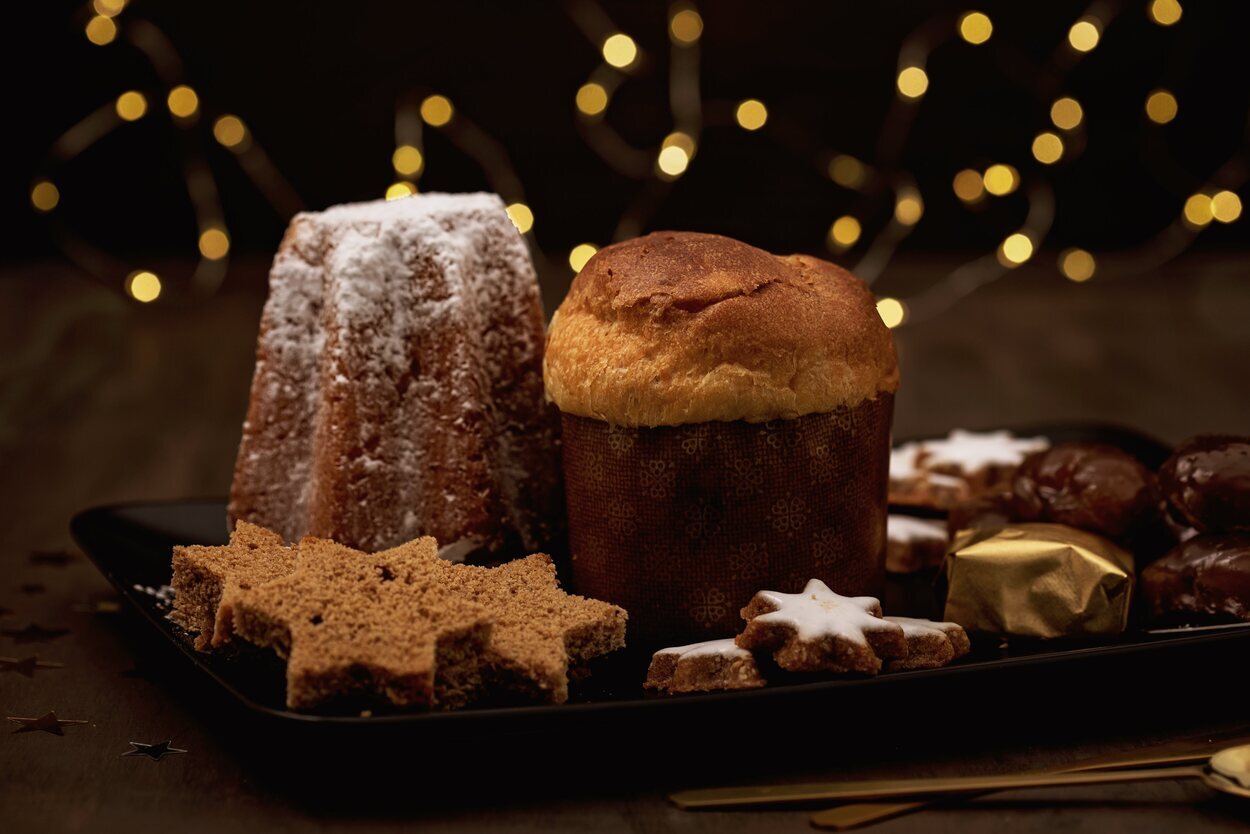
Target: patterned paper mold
x=681, y=525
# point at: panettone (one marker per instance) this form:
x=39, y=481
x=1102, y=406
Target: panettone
x=726, y=417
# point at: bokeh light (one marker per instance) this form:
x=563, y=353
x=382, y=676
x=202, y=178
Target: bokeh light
x=909, y=207
x=521, y=216
x=214, y=243
x=230, y=132
x=592, y=99
x=580, y=254
x=44, y=196
x=131, y=105
x=183, y=101
x=436, y=110
x=912, y=82
x=1077, y=264
x=400, y=190
x=1161, y=107
x=143, y=286
x=1066, y=113
x=407, y=160
x=672, y=162
x=1047, y=148
x=892, y=311
x=1165, y=12
x=108, y=8
x=1085, y=34
x=969, y=186
x=676, y=151
x=975, y=27
x=686, y=26
x=1225, y=206
x=1015, y=249
x=1197, y=211
x=1001, y=180
x=101, y=30
x=844, y=233
x=619, y=50
x=751, y=114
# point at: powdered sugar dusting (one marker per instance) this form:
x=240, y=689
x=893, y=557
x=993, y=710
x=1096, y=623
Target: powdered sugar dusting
x=426, y=407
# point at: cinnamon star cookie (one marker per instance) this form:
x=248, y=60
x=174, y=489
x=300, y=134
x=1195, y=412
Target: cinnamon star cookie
x=930, y=644
x=819, y=630
x=703, y=667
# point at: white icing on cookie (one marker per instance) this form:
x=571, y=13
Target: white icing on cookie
x=906, y=529
x=818, y=612
x=913, y=627
x=903, y=461
x=973, y=451
x=726, y=648
x=940, y=479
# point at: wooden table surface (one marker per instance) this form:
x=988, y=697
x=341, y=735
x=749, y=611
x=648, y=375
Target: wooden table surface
x=103, y=401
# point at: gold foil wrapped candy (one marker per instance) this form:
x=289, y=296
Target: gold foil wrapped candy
x=1038, y=580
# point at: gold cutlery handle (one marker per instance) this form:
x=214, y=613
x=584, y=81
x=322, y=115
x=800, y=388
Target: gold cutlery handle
x=898, y=788
x=858, y=814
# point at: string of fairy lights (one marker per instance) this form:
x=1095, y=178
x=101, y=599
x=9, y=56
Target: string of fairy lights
x=104, y=27
x=658, y=168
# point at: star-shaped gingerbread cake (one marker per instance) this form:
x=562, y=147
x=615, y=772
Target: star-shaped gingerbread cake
x=354, y=625
x=540, y=631
x=206, y=577
x=401, y=626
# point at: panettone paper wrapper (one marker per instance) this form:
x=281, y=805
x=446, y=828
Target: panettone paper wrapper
x=1038, y=580
x=682, y=525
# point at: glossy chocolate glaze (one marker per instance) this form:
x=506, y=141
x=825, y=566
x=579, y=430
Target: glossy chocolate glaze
x=1094, y=487
x=1206, y=483
x=1206, y=577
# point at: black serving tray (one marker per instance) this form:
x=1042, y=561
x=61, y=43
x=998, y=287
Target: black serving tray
x=131, y=544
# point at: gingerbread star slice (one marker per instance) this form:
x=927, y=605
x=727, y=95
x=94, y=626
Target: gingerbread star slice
x=930, y=644
x=818, y=630
x=540, y=631
x=206, y=577
x=703, y=667
x=367, y=628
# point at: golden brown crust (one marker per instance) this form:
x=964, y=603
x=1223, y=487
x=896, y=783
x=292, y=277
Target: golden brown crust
x=678, y=327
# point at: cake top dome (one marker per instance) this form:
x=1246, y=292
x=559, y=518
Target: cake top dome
x=678, y=327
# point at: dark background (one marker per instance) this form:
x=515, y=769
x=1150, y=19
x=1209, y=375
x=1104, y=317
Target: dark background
x=318, y=82
x=105, y=400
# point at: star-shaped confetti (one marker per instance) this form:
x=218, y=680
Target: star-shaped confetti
x=55, y=558
x=34, y=633
x=98, y=606
x=155, y=752
x=48, y=722
x=26, y=666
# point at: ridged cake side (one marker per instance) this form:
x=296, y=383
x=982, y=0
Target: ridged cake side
x=398, y=387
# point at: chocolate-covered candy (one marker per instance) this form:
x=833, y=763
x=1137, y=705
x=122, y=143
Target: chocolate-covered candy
x=985, y=512
x=1087, y=485
x=1204, y=579
x=1206, y=483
